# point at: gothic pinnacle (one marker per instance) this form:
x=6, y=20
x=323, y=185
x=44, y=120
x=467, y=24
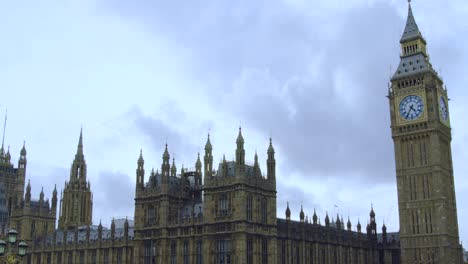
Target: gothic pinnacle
x=80, y=143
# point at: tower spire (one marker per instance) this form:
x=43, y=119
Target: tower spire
x=411, y=29
x=80, y=143
x=240, y=154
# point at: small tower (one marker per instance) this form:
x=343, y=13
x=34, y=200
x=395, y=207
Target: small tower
x=338, y=222
x=22, y=160
x=327, y=220
x=257, y=172
x=140, y=172
x=41, y=195
x=8, y=157
x=173, y=168
x=271, y=163
x=208, y=159
x=240, y=154
x=100, y=231
x=358, y=227
x=288, y=212
x=198, y=166
x=314, y=217
x=54, y=200
x=78, y=169
x=373, y=225
x=224, y=166
x=301, y=215
x=349, y=224
x=165, y=167
x=126, y=226
x=384, y=234
x=112, y=229
x=28, y=192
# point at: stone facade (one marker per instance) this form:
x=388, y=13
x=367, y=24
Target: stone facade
x=421, y=133
x=12, y=181
x=205, y=215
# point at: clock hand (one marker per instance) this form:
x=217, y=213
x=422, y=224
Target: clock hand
x=407, y=114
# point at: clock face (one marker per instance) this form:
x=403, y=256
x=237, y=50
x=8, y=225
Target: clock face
x=411, y=107
x=443, y=108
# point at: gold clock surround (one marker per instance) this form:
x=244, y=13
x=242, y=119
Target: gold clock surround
x=402, y=121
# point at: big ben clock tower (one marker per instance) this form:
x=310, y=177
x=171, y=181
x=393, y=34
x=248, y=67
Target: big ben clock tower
x=422, y=139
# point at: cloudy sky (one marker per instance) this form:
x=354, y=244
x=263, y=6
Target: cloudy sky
x=313, y=75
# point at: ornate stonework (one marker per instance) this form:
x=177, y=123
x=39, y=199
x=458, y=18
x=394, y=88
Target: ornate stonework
x=422, y=135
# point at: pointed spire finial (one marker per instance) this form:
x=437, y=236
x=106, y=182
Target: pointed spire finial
x=240, y=138
x=411, y=28
x=80, y=143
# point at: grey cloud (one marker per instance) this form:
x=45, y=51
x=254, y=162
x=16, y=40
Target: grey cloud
x=319, y=129
x=295, y=92
x=176, y=132
x=315, y=79
x=115, y=189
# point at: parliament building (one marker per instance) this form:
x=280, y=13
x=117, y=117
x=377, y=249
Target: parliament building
x=227, y=213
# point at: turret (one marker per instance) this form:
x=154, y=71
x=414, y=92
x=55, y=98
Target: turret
x=22, y=160
x=314, y=217
x=384, y=234
x=78, y=168
x=41, y=195
x=28, y=193
x=112, y=229
x=165, y=167
x=198, y=166
x=100, y=231
x=240, y=154
x=288, y=212
x=349, y=224
x=126, y=228
x=173, y=168
x=208, y=159
x=338, y=222
x=301, y=215
x=373, y=225
x=327, y=220
x=8, y=157
x=224, y=166
x=54, y=199
x=257, y=172
x=271, y=163
x=358, y=227
x=140, y=172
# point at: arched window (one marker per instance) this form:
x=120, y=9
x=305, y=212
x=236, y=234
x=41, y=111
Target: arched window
x=249, y=207
x=264, y=210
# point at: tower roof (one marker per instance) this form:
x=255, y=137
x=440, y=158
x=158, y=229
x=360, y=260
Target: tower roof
x=414, y=57
x=23, y=149
x=240, y=138
x=208, y=146
x=79, y=151
x=411, y=29
x=166, y=155
x=270, y=147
